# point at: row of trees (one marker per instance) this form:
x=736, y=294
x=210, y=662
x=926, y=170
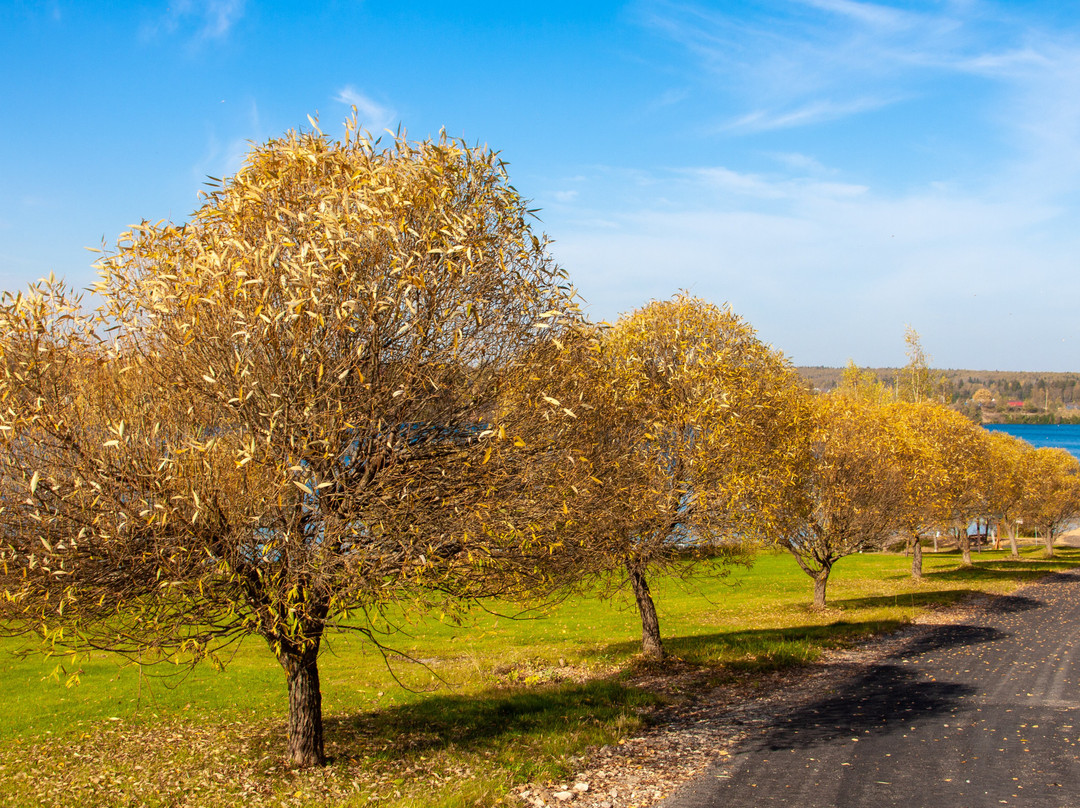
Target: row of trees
x=994, y=393
x=355, y=378
x=878, y=470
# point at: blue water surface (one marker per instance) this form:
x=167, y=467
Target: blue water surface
x=1060, y=436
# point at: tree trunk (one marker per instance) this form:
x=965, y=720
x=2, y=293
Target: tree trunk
x=1012, y=542
x=964, y=540
x=305, y=706
x=651, y=647
x=1048, y=539
x=916, y=559
x=821, y=581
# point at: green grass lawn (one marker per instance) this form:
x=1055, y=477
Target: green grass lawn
x=490, y=703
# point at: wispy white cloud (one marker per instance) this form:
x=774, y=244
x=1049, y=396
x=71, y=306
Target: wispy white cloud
x=872, y=14
x=800, y=162
x=792, y=189
x=793, y=65
x=816, y=265
x=810, y=61
x=201, y=20
x=373, y=116
x=219, y=16
x=223, y=157
x=813, y=112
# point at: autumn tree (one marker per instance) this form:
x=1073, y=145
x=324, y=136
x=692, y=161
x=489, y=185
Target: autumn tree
x=917, y=382
x=961, y=450
x=1005, y=482
x=851, y=491
x=983, y=398
x=1051, y=499
x=940, y=457
x=283, y=415
x=689, y=427
x=918, y=462
x=863, y=385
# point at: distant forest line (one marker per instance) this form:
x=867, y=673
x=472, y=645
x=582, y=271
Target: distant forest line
x=988, y=396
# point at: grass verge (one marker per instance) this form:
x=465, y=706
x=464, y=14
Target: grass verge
x=497, y=701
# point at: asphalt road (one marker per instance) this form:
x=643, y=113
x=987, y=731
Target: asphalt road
x=985, y=713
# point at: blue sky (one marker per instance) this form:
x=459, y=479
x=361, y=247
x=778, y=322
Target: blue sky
x=833, y=169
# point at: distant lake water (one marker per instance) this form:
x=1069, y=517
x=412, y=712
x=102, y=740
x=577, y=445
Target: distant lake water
x=1060, y=436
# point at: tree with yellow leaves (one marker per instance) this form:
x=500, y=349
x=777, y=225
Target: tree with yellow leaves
x=863, y=385
x=960, y=450
x=689, y=427
x=1051, y=498
x=941, y=457
x=1005, y=482
x=851, y=491
x=284, y=415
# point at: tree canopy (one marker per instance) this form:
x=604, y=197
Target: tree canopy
x=284, y=413
x=690, y=425
x=850, y=494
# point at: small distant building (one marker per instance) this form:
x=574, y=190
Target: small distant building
x=1016, y=405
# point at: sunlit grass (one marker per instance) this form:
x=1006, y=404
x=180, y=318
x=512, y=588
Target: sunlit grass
x=490, y=703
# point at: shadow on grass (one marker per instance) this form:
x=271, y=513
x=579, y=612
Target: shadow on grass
x=1020, y=571
x=763, y=649
x=941, y=597
x=487, y=721
x=508, y=722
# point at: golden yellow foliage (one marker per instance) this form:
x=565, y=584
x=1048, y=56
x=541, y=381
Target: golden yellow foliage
x=282, y=415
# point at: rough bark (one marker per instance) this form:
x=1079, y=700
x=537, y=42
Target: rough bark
x=964, y=540
x=305, y=706
x=1048, y=541
x=651, y=647
x=1012, y=543
x=821, y=581
x=916, y=559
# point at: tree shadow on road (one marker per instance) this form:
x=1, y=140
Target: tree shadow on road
x=884, y=698
x=1009, y=604
x=948, y=636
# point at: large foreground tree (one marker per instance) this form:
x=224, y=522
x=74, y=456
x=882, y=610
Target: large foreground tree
x=284, y=415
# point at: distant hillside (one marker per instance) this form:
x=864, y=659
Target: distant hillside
x=987, y=395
